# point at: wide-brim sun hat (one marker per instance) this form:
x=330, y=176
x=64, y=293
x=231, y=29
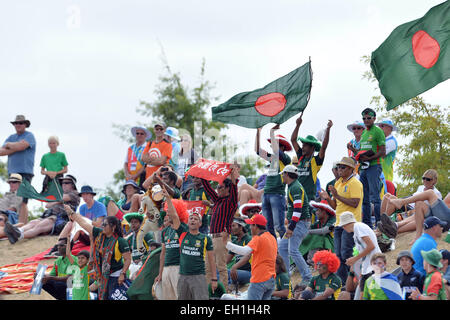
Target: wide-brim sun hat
x=282, y=140
x=346, y=218
x=14, y=177
x=324, y=206
x=433, y=257
x=355, y=124
x=21, y=118
x=348, y=161
x=312, y=141
x=86, y=189
x=133, y=215
x=147, y=132
x=405, y=253
x=130, y=183
x=247, y=206
x=172, y=132
x=389, y=123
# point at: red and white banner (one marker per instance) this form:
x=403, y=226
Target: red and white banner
x=210, y=170
x=195, y=207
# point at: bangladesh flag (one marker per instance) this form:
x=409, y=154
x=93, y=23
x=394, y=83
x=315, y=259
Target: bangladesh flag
x=275, y=103
x=53, y=194
x=415, y=57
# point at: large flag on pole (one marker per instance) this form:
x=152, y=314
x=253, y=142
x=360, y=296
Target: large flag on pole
x=53, y=194
x=275, y=103
x=415, y=57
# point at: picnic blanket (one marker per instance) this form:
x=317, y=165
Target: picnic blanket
x=77, y=247
x=17, y=278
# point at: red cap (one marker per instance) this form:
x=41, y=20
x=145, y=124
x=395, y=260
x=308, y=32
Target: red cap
x=258, y=219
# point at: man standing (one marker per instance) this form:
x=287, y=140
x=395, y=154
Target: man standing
x=134, y=167
x=195, y=248
x=273, y=200
x=308, y=164
x=157, y=153
x=387, y=162
x=298, y=216
x=346, y=195
x=263, y=248
x=20, y=149
x=225, y=205
x=373, y=142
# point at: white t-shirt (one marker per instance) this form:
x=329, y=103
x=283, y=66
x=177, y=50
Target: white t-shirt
x=420, y=189
x=362, y=230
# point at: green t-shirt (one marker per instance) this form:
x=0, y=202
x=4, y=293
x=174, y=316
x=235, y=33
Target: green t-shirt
x=274, y=184
x=136, y=255
x=53, y=161
x=246, y=238
x=61, y=266
x=193, y=251
x=170, y=239
x=80, y=282
x=373, y=291
x=319, y=285
x=372, y=140
x=120, y=248
x=297, y=201
x=282, y=282
x=308, y=168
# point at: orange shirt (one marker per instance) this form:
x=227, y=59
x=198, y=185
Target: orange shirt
x=157, y=150
x=264, y=249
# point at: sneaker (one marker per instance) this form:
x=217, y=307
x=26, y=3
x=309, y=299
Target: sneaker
x=389, y=226
x=51, y=252
x=13, y=233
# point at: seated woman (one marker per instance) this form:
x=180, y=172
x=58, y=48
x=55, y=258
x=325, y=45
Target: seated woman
x=389, y=206
x=283, y=286
x=123, y=206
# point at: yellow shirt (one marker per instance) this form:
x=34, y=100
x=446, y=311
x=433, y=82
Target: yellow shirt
x=351, y=188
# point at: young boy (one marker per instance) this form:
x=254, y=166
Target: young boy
x=79, y=269
x=54, y=163
x=381, y=285
x=433, y=288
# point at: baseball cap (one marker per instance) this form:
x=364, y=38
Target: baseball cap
x=290, y=168
x=430, y=222
x=257, y=219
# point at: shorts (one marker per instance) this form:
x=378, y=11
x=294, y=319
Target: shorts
x=440, y=210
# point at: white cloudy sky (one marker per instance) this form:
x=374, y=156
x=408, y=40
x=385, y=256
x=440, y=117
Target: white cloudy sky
x=76, y=67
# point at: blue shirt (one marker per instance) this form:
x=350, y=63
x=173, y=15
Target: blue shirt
x=97, y=210
x=22, y=161
x=425, y=243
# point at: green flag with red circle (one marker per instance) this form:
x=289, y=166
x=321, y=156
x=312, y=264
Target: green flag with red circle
x=415, y=57
x=274, y=103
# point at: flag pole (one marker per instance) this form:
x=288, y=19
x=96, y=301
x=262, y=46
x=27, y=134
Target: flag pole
x=57, y=187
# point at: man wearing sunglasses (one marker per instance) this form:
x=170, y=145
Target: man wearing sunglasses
x=20, y=149
x=372, y=139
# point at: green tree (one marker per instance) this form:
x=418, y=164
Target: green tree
x=426, y=129
x=3, y=171
x=181, y=107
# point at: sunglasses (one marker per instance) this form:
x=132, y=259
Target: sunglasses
x=253, y=210
x=367, y=118
x=427, y=179
x=14, y=182
x=18, y=122
x=140, y=133
x=357, y=128
x=159, y=129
